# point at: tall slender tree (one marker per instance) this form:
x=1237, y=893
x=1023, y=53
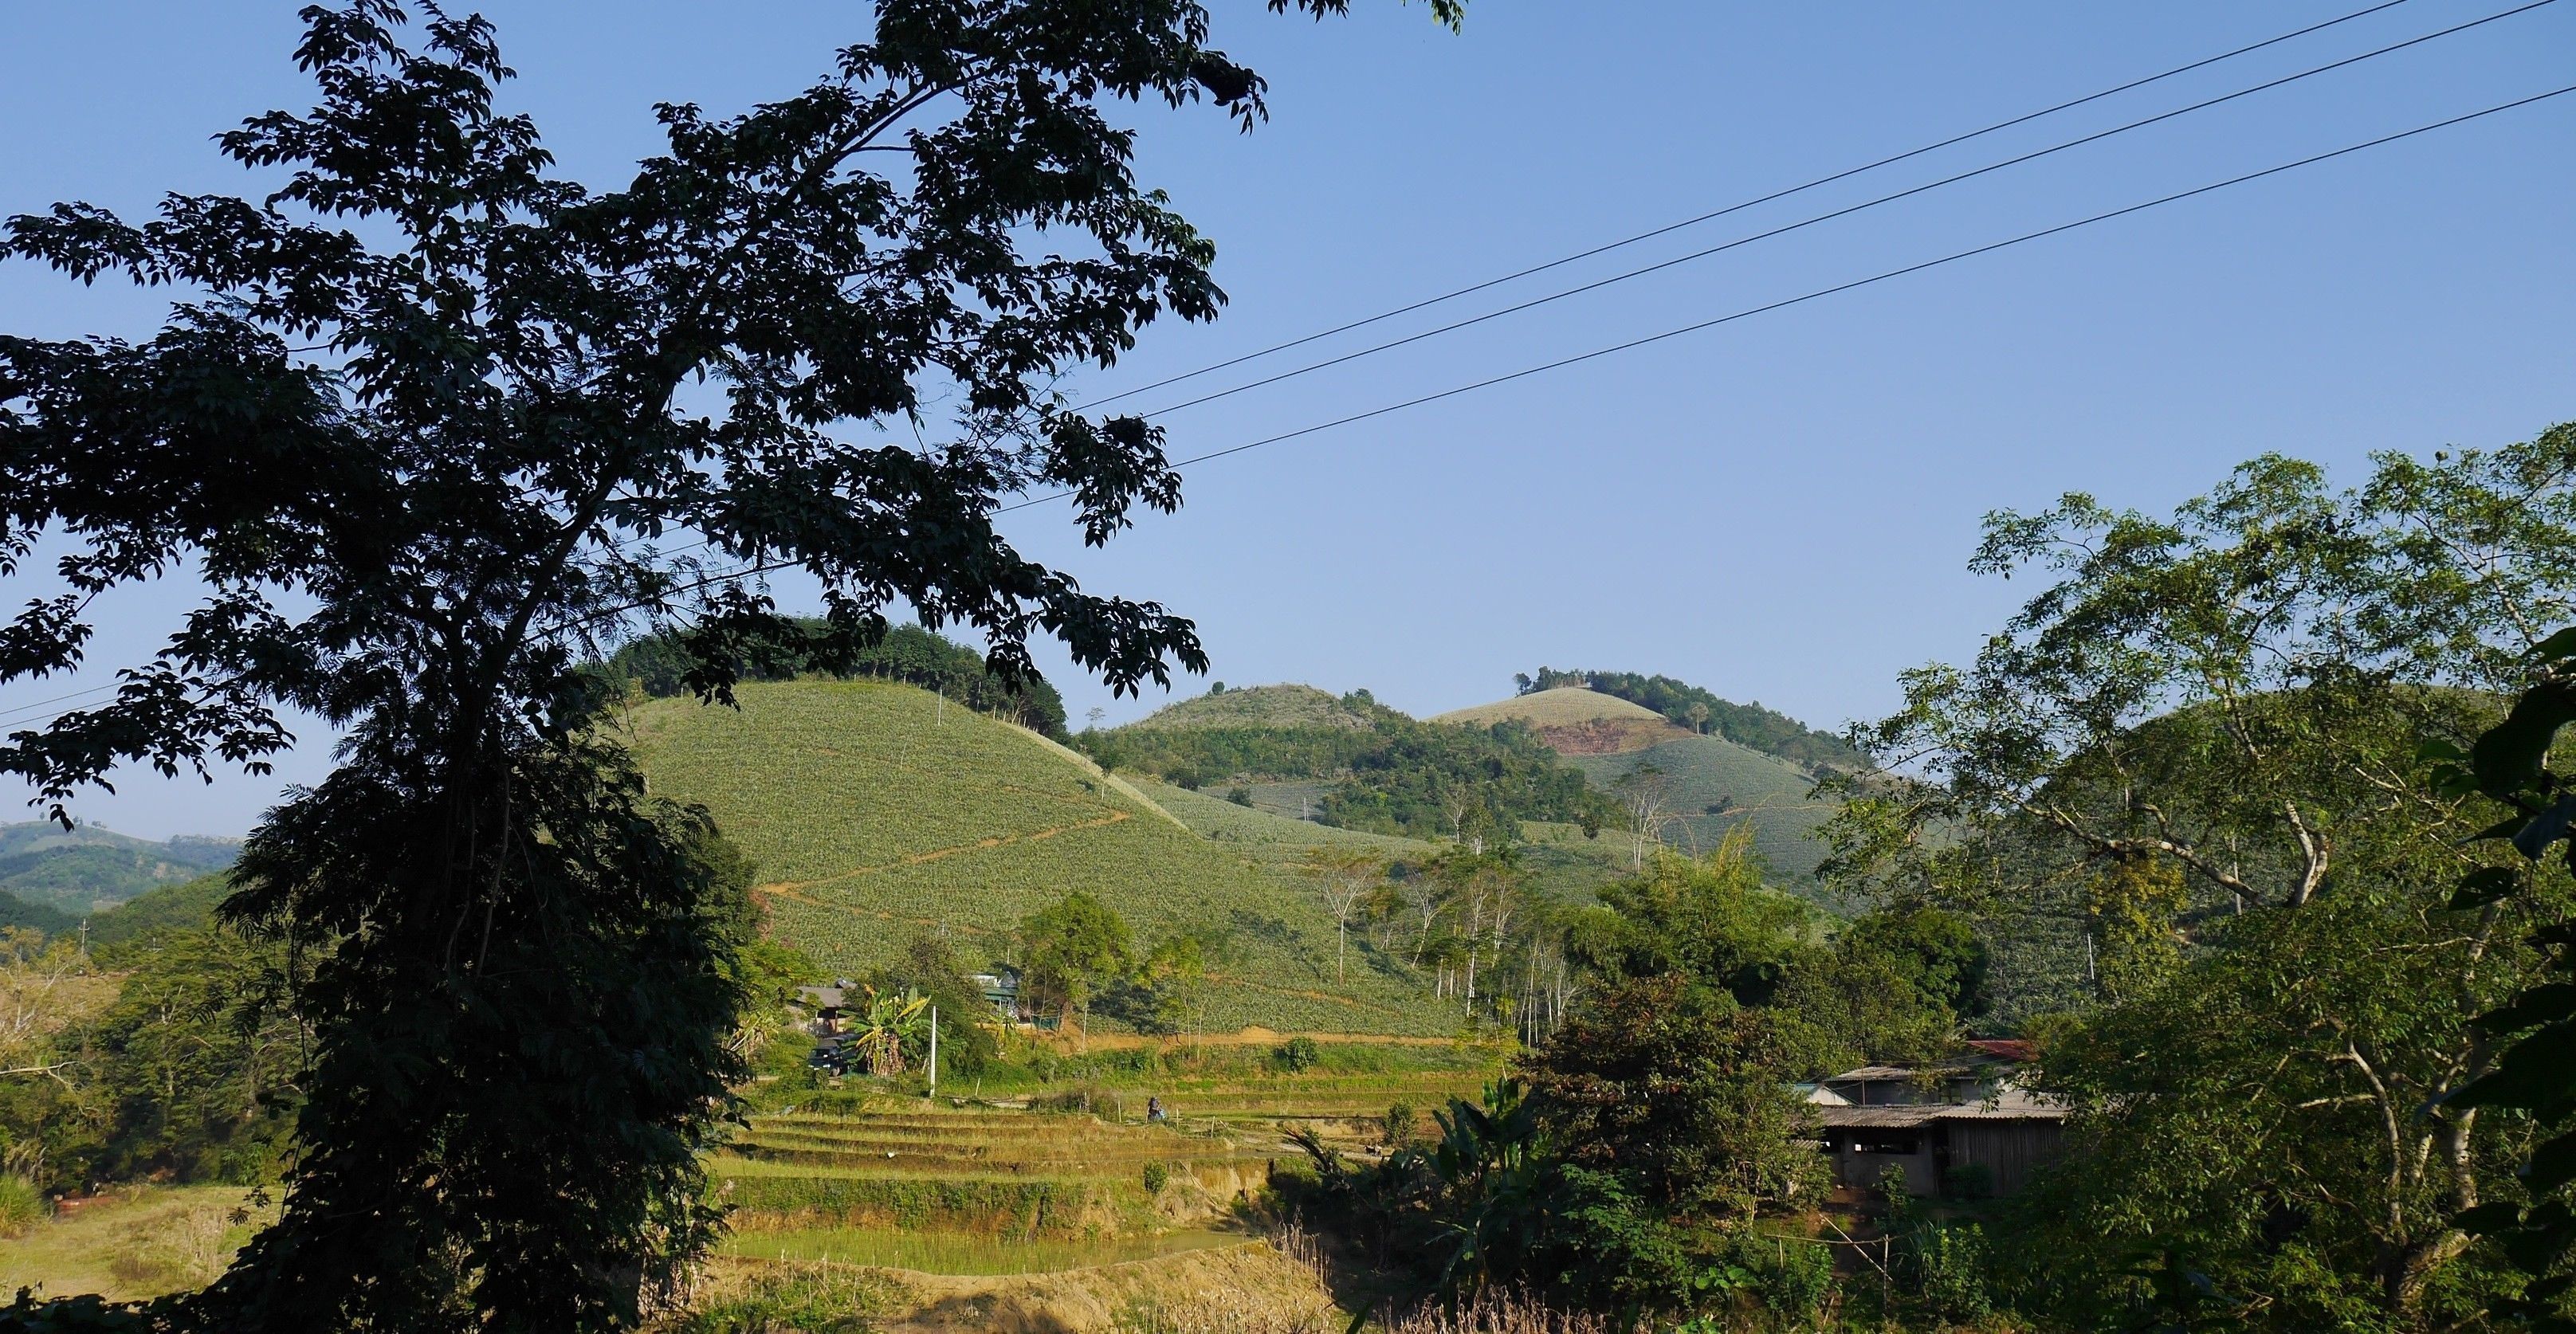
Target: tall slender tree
x=428, y=422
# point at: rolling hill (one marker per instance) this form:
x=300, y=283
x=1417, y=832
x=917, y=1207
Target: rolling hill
x=1713, y=783
x=83, y=870
x=873, y=812
x=1260, y=706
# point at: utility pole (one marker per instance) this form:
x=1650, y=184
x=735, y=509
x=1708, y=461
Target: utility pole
x=934, y=1051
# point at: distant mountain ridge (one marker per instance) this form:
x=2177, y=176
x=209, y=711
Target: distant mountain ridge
x=86, y=869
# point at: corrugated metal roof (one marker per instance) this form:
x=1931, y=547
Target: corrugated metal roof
x=1880, y=1118
x=1924, y=1114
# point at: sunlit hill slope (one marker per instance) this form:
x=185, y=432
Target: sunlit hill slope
x=874, y=812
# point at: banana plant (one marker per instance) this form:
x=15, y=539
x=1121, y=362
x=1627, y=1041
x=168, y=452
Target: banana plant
x=887, y=1023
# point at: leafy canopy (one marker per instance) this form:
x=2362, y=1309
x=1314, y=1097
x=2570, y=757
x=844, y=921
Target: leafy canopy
x=428, y=423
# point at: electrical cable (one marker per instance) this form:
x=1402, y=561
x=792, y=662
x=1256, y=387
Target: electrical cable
x=1864, y=206
x=765, y=567
x=1749, y=203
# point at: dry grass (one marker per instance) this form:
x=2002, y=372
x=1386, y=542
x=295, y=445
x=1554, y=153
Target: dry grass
x=1565, y=706
x=141, y=1242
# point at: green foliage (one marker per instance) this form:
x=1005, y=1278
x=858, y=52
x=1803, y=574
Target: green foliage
x=2203, y=750
x=1157, y=1176
x=1715, y=786
x=2535, y=1072
x=158, y=913
x=419, y=411
x=1391, y=774
x=1297, y=1054
x=17, y=912
x=1672, y=1087
x=1071, y=949
x=659, y=666
x=877, y=819
x=931, y=968
x=75, y=871
x=22, y=1206
x=1762, y=729
x=1710, y=919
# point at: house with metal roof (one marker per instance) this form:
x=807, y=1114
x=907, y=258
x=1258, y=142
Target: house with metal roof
x=1965, y=1128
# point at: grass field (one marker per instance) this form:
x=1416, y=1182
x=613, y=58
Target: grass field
x=873, y=812
x=141, y=1241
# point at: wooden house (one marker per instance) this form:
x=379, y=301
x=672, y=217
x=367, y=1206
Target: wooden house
x=1965, y=1128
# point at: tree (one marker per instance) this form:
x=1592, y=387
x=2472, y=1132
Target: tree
x=1072, y=948
x=1674, y=1087
x=1647, y=797
x=1707, y=918
x=1344, y=876
x=2206, y=736
x=425, y=425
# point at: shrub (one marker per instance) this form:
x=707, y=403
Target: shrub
x=20, y=1205
x=1157, y=1176
x=1297, y=1053
x=1968, y=1181
x=1396, y=1126
x=1088, y=1100
x=1240, y=796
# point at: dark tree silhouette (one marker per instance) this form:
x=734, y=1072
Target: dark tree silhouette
x=426, y=424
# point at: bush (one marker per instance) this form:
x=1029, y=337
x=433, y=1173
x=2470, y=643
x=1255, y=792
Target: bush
x=20, y=1205
x=1950, y=1265
x=1792, y=1275
x=1968, y=1181
x=1297, y=1053
x=1396, y=1126
x=1088, y=1100
x=1157, y=1176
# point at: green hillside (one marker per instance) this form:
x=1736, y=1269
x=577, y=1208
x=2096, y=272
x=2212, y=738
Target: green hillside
x=1286, y=705
x=873, y=814
x=78, y=871
x=15, y=911
x=1743, y=785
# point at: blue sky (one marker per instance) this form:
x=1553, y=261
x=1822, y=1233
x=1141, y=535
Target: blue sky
x=1780, y=509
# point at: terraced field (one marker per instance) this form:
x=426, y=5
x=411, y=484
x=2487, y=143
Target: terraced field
x=873, y=812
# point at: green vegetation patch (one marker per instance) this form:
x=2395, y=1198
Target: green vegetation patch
x=874, y=812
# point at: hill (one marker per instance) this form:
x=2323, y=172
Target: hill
x=1700, y=711
x=1352, y=762
x=873, y=813
x=1713, y=785
x=82, y=870
x=1708, y=783
x=1575, y=721
x=1285, y=705
x=188, y=906
x=16, y=912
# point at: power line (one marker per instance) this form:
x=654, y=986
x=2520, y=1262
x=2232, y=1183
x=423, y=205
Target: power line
x=1842, y=287
x=1845, y=212
x=8, y=713
x=1739, y=207
x=766, y=567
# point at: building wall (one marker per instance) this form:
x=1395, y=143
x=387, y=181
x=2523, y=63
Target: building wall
x=1854, y=1168
x=2009, y=1150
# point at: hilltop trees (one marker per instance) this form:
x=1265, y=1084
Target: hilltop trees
x=2209, y=735
x=428, y=420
